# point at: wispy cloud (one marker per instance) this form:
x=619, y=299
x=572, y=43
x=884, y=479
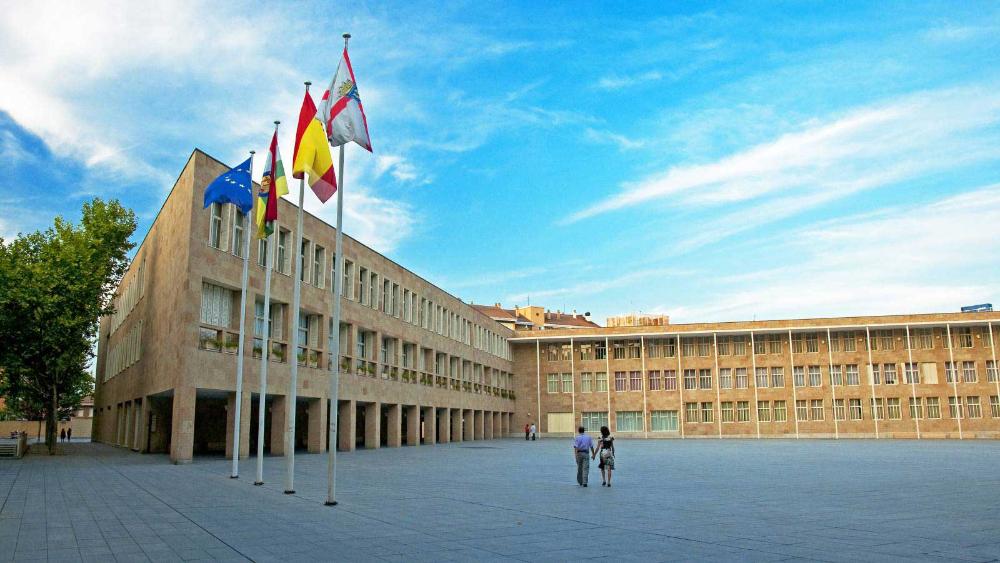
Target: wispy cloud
x=924, y=258
x=912, y=135
x=619, y=81
x=603, y=136
x=585, y=291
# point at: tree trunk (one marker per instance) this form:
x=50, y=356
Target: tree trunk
x=52, y=421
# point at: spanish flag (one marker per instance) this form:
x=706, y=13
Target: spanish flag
x=272, y=186
x=312, y=153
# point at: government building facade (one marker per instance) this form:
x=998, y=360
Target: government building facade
x=419, y=366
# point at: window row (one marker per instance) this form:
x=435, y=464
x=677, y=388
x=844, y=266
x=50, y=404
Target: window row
x=129, y=293
x=125, y=353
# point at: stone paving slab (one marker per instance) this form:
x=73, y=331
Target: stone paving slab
x=774, y=500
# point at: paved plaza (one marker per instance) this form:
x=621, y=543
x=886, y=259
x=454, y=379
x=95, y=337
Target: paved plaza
x=672, y=500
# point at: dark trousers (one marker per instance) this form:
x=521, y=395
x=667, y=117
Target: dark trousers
x=526, y=435
x=532, y=435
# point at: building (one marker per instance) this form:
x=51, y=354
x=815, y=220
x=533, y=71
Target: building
x=906, y=376
x=421, y=366
x=535, y=318
x=638, y=319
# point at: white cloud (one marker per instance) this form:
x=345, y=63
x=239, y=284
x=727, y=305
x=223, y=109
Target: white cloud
x=908, y=136
x=603, y=136
x=619, y=81
x=928, y=258
x=587, y=289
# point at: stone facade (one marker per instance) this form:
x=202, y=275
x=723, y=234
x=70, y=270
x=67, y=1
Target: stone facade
x=810, y=378
x=417, y=362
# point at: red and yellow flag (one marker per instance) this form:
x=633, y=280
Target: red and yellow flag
x=312, y=153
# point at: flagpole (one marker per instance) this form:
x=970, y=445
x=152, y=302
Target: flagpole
x=265, y=352
x=240, y=348
x=331, y=466
x=290, y=400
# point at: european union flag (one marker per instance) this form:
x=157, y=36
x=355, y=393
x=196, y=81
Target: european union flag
x=232, y=187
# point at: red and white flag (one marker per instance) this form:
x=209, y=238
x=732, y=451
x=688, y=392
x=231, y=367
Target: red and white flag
x=341, y=108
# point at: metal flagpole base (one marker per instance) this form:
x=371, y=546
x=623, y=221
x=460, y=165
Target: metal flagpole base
x=290, y=492
x=234, y=476
x=258, y=483
x=330, y=503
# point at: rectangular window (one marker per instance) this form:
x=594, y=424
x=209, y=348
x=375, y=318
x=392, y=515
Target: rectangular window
x=705, y=378
x=933, y=407
x=586, y=382
x=566, y=353
x=586, y=352
x=893, y=408
x=995, y=406
x=726, y=409
x=742, y=411
x=688, y=347
x=991, y=371
x=764, y=411
x=239, y=221
x=799, y=376
x=950, y=374
x=628, y=421
x=836, y=375
x=282, y=261
x=708, y=412
x=690, y=379
x=911, y=373
x=774, y=344
x=704, y=346
x=670, y=380
x=654, y=380
x=553, y=382
x=924, y=338
x=760, y=378
x=739, y=346
x=874, y=375
x=780, y=412
x=319, y=266
x=815, y=376
x=304, y=261
x=722, y=346
x=777, y=377
x=839, y=412
x=670, y=348
x=853, y=377
x=633, y=350
x=972, y=405
x=373, y=294
x=725, y=378
x=691, y=412
x=215, y=227
x=916, y=407
x=262, y=252
x=601, y=351
x=663, y=421
x=759, y=345
x=969, y=371
x=617, y=350
x=593, y=420
x=801, y=410
x=216, y=305
x=878, y=409
x=635, y=381
x=567, y=383
x=741, y=378
x=362, y=286
x=855, y=409
x=889, y=374
x=620, y=381
x=816, y=409
x=347, y=285
x=964, y=336
x=602, y=382
x=798, y=343
x=954, y=407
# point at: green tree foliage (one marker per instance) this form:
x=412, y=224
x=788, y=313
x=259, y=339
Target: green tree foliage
x=54, y=287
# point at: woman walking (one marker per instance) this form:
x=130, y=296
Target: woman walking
x=606, y=449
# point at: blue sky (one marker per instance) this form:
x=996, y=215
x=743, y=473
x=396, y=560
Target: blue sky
x=709, y=161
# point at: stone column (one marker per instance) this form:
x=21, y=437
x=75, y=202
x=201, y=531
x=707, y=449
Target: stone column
x=468, y=419
x=346, y=426
x=394, y=438
x=143, y=443
x=279, y=406
x=456, y=425
x=373, y=420
x=430, y=425
x=127, y=437
x=413, y=425
x=244, y=425
x=182, y=425
x=316, y=440
x=444, y=425
x=479, y=419
x=488, y=425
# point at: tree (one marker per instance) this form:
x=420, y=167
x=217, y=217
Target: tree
x=54, y=287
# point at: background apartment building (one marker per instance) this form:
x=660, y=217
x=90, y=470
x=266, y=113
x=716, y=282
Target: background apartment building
x=926, y=376
x=418, y=365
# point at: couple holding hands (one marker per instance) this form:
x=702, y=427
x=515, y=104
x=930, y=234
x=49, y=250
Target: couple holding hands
x=585, y=449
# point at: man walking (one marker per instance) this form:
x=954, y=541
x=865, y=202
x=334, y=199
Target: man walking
x=527, y=431
x=583, y=449
x=534, y=429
